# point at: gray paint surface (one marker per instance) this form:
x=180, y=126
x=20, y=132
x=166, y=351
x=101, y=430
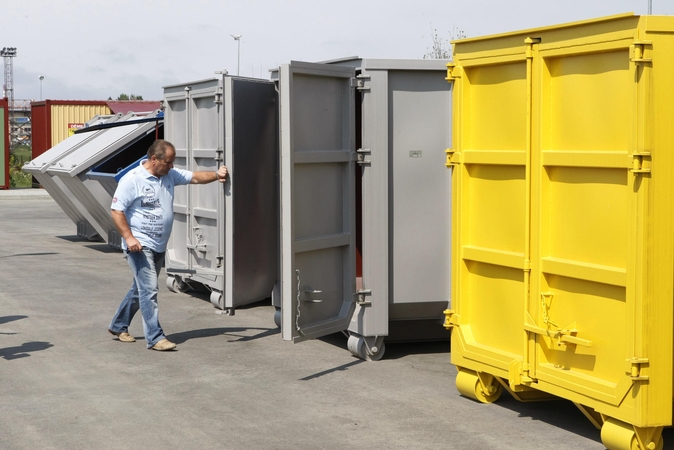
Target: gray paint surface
x=420, y=189
x=317, y=199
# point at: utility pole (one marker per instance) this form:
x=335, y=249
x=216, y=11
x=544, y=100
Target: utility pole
x=9, y=53
x=237, y=38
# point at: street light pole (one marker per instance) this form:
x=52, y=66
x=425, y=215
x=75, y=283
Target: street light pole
x=237, y=38
x=41, y=78
x=650, y=7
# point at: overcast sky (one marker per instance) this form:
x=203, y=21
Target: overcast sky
x=92, y=50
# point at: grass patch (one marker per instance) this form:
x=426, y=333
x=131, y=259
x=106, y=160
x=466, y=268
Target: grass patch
x=17, y=158
x=22, y=154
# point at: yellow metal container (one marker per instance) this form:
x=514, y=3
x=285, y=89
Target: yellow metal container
x=55, y=120
x=563, y=222
x=68, y=117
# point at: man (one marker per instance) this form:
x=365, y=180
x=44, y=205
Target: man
x=142, y=210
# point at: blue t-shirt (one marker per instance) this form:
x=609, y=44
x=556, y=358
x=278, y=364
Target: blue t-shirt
x=147, y=203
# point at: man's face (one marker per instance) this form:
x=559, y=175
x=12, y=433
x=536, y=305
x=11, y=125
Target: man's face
x=162, y=167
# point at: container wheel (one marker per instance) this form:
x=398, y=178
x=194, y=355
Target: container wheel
x=217, y=300
x=175, y=284
x=277, y=317
x=368, y=349
x=617, y=435
x=468, y=384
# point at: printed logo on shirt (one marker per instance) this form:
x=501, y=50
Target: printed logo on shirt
x=114, y=200
x=153, y=217
x=150, y=203
x=148, y=191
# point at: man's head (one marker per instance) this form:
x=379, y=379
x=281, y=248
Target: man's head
x=160, y=157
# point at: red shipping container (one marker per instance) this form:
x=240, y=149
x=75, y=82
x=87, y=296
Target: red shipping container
x=4, y=144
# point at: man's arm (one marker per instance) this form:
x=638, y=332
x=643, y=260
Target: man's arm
x=123, y=227
x=206, y=176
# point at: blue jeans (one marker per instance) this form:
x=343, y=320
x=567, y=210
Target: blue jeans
x=145, y=266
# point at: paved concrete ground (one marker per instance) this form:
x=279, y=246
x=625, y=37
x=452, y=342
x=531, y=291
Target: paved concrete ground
x=232, y=384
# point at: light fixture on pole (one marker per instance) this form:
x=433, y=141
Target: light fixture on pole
x=41, y=78
x=237, y=38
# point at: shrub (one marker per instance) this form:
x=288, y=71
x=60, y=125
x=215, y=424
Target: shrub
x=17, y=177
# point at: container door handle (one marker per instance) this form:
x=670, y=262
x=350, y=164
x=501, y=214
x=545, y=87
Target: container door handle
x=566, y=336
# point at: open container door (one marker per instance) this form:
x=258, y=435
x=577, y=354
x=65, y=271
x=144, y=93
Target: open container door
x=317, y=199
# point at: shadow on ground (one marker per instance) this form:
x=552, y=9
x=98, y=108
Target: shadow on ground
x=103, y=248
x=23, y=350
x=29, y=254
x=395, y=350
x=5, y=319
x=74, y=238
x=557, y=412
x=240, y=334
x=343, y=367
x=562, y=414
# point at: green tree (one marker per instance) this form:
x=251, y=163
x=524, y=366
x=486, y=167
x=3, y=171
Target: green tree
x=129, y=97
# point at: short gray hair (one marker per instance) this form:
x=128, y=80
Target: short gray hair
x=158, y=149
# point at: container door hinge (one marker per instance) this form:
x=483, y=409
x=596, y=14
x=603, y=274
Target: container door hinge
x=218, y=155
x=634, y=366
x=361, y=82
x=219, y=259
x=638, y=51
x=451, y=158
x=218, y=96
x=361, y=297
x=451, y=319
x=641, y=162
x=362, y=153
x=453, y=72
x=518, y=375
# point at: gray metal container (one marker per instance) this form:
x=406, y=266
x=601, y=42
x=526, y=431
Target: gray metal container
x=56, y=188
x=131, y=134
x=225, y=236
x=394, y=117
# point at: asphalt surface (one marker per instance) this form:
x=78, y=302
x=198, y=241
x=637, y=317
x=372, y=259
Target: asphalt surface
x=233, y=383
